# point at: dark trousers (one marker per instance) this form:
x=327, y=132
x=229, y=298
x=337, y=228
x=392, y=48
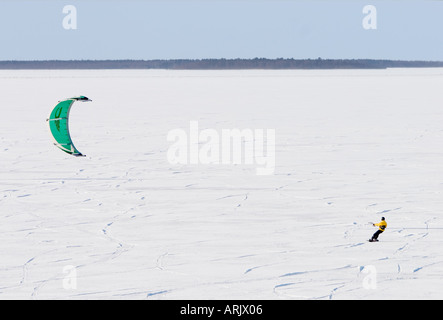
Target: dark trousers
x=376, y=234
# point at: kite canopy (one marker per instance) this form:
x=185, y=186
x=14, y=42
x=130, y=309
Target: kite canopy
x=58, y=125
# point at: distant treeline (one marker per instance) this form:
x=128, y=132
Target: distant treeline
x=220, y=64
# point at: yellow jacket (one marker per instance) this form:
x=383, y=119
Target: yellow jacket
x=381, y=225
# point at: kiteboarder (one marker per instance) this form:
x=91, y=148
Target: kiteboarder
x=381, y=228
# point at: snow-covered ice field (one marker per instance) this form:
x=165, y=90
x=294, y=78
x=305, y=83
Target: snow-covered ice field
x=124, y=223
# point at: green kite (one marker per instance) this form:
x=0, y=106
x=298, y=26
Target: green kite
x=58, y=125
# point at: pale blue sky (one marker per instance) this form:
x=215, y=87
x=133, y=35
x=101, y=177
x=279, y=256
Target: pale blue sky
x=137, y=29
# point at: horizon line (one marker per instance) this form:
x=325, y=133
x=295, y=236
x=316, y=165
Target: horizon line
x=218, y=64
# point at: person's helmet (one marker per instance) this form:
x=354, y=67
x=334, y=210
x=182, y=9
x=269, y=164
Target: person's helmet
x=382, y=218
